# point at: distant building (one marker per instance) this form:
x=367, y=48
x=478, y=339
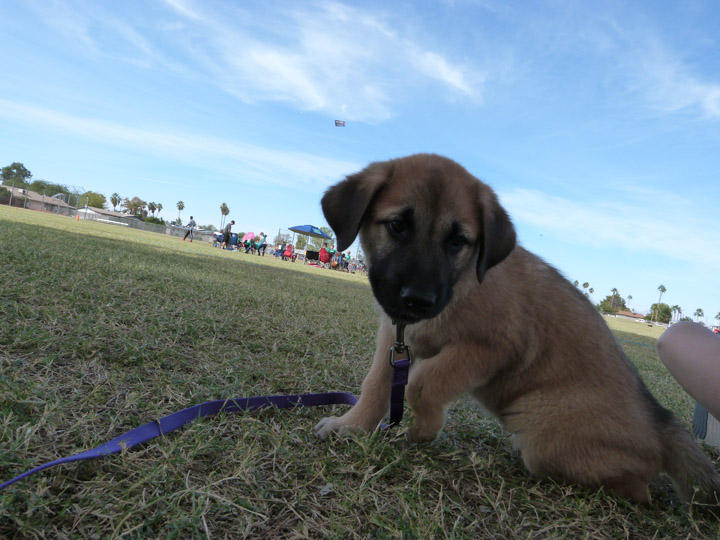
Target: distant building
x=24, y=198
x=101, y=214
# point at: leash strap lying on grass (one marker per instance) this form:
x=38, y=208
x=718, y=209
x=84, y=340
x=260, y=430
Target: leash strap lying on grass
x=400, y=360
x=173, y=421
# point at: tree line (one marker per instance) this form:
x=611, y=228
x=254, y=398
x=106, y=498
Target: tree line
x=659, y=311
x=18, y=176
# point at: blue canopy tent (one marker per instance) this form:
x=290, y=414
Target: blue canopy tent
x=309, y=230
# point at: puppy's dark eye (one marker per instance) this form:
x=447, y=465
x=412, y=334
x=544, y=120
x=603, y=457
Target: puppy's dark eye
x=395, y=227
x=455, y=243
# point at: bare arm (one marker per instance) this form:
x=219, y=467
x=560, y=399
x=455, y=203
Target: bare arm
x=691, y=353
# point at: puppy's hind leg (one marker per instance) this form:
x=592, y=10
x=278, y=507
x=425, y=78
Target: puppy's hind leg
x=585, y=459
x=374, y=401
x=629, y=487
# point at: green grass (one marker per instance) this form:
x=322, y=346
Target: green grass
x=635, y=328
x=102, y=329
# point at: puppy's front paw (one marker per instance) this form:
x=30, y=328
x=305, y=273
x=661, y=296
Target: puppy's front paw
x=331, y=425
x=425, y=428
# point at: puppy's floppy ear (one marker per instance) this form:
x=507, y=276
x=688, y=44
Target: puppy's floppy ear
x=345, y=203
x=498, y=234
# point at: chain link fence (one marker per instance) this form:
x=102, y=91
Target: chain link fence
x=136, y=223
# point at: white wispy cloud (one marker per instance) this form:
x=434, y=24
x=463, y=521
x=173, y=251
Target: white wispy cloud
x=329, y=57
x=671, y=86
x=625, y=52
x=95, y=31
x=434, y=66
x=182, y=7
x=671, y=226
x=669, y=79
x=247, y=162
x=326, y=56
x=65, y=19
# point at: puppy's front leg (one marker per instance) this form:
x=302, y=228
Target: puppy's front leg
x=374, y=401
x=437, y=382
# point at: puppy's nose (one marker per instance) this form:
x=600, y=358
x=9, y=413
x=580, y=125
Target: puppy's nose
x=417, y=299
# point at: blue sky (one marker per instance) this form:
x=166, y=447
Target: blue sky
x=598, y=123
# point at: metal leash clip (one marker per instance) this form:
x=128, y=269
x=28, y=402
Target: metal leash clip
x=399, y=351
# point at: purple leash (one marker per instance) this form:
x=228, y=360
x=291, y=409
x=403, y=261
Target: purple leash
x=171, y=422
x=400, y=360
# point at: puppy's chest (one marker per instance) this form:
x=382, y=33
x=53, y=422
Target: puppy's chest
x=423, y=344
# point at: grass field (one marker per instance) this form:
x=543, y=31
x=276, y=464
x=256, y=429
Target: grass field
x=103, y=329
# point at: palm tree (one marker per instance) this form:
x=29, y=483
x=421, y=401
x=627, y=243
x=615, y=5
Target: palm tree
x=585, y=286
x=615, y=294
x=152, y=207
x=136, y=206
x=115, y=200
x=718, y=316
x=159, y=207
x=576, y=283
x=675, y=309
x=180, y=207
x=224, y=210
x=698, y=313
x=662, y=289
x=629, y=297
x=591, y=290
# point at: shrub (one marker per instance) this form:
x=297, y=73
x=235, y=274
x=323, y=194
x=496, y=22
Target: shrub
x=151, y=219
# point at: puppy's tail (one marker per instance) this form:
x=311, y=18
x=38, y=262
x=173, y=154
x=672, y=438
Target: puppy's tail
x=693, y=473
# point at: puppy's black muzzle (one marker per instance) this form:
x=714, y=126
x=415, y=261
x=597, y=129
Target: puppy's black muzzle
x=411, y=292
x=419, y=300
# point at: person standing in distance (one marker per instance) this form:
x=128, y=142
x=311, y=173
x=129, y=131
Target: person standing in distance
x=226, y=234
x=262, y=244
x=190, y=227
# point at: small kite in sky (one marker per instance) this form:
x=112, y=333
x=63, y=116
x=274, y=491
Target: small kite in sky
x=339, y=123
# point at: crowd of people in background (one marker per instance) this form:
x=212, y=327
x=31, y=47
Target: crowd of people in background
x=337, y=261
x=255, y=245
x=328, y=257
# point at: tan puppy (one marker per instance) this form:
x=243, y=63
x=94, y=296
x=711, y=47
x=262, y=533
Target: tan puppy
x=487, y=317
